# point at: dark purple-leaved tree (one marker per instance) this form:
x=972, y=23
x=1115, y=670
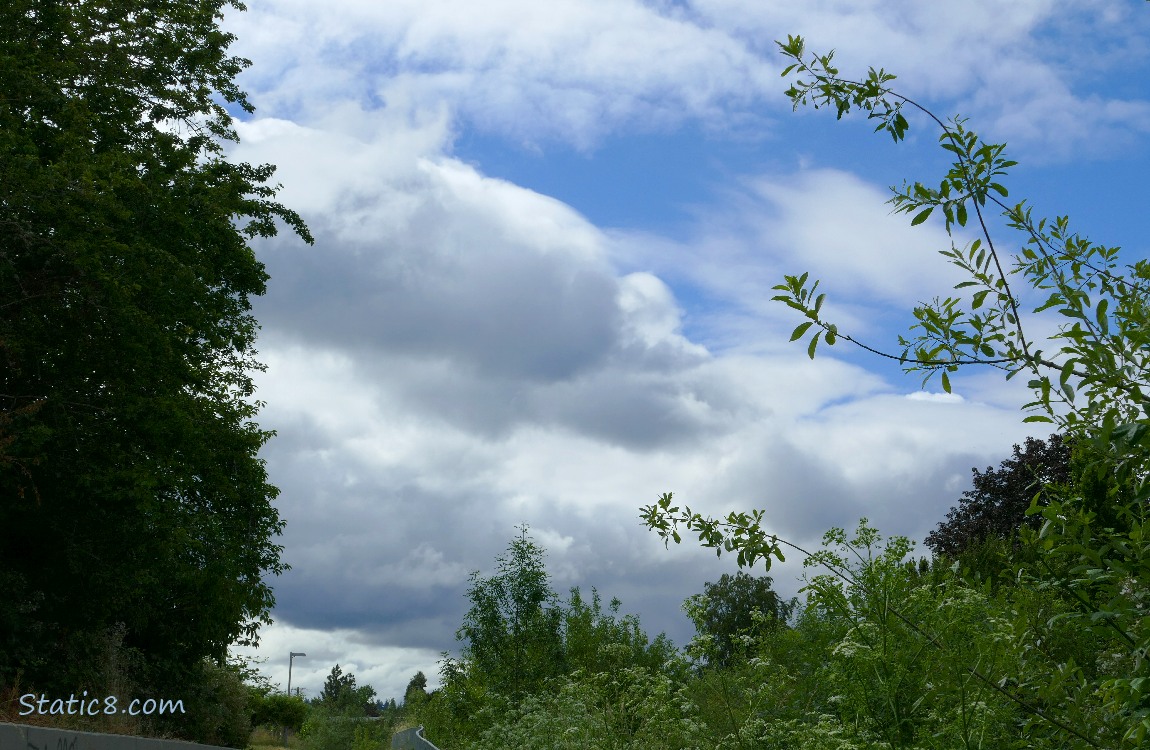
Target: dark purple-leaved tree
x=996, y=506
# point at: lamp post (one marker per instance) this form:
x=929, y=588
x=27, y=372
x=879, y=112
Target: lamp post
x=291, y=658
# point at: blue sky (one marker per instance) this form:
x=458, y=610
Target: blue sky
x=546, y=236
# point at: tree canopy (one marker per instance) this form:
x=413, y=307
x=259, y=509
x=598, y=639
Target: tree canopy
x=996, y=506
x=416, y=689
x=132, y=491
x=521, y=641
x=726, y=611
x=341, y=694
x=513, y=628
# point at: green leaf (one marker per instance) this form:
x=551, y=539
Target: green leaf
x=801, y=329
x=945, y=382
x=1067, y=371
x=1053, y=300
x=922, y=216
x=812, y=345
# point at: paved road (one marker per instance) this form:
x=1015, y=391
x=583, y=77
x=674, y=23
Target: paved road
x=411, y=739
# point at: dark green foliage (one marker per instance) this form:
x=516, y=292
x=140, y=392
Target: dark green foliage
x=336, y=685
x=513, y=629
x=416, y=689
x=726, y=611
x=331, y=730
x=387, y=711
x=217, y=707
x=340, y=694
x=630, y=708
x=415, y=695
x=513, y=645
x=996, y=506
x=345, y=716
x=131, y=488
x=521, y=641
x=595, y=641
x=889, y=651
x=892, y=653
x=266, y=705
x=277, y=710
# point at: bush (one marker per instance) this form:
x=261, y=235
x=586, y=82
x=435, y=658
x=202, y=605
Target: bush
x=217, y=708
x=632, y=708
x=325, y=729
x=277, y=710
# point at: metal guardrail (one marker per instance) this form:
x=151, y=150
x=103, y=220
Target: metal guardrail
x=28, y=737
x=424, y=740
x=408, y=739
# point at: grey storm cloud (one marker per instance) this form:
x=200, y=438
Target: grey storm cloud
x=497, y=310
x=392, y=561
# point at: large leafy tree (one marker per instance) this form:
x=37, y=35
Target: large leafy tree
x=416, y=690
x=130, y=488
x=734, y=606
x=513, y=628
x=521, y=642
x=512, y=639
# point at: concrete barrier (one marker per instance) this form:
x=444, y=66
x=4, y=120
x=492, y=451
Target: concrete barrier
x=26, y=737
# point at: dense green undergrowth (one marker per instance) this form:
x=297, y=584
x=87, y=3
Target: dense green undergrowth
x=898, y=653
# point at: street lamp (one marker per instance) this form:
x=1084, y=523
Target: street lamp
x=291, y=659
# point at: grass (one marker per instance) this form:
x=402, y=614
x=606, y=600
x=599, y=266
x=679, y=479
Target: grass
x=264, y=738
